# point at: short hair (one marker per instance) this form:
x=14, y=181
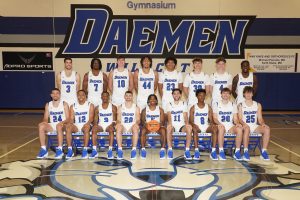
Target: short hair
x=248, y=89
x=105, y=92
x=128, y=92
x=197, y=59
x=245, y=61
x=96, y=59
x=152, y=95
x=176, y=89
x=220, y=59
x=200, y=91
x=120, y=57
x=67, y=58
x=226, y=89
x=170, y=58
x=143, y=58
x=55, y=89
x=81, y=91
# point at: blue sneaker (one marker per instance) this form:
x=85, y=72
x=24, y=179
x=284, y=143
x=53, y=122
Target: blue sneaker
x=162, y=154
x=84, y=154
x=58, y=154
x=222, y=155
x=197, y=155
x=187, y=155
x=213, y=155
x=70, y=154
x=133, y=154
x=246, y=156
x=170, y=154
x=265, y=155
x=237, y=155
x=119, y=154
x=42, y=154
x=143, y=153
x=94, y=154
x=110, y=154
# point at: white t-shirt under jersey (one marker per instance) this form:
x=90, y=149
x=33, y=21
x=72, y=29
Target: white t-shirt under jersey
x=68, y=87
x=219, y=81
x=242, y=83
x=95, y=88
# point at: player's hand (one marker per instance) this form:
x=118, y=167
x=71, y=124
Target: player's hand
x=265, y=125
x=221, y=126
x=60, y=124
x=86, y=126
x=239, y=125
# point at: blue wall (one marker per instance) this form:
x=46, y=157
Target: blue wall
x=25, y=89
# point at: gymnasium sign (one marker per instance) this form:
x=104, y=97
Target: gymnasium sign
x=95, y=31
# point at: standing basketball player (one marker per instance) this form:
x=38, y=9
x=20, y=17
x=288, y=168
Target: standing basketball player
x=57, y=113
x=128, y=120
x=81, y=117
x=68, y=82
x=169, y=79
x=120, y=80
x=104, y=120
x=178, y=122
x=250, y=115
x=95, y=82
x=145, y=81
x=153, y=112
x=201, y=119
x=241, y=80
x=194, y=81
x=219, y=80
x=226, y=117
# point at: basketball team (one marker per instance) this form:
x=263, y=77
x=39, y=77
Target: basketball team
x=105, y=104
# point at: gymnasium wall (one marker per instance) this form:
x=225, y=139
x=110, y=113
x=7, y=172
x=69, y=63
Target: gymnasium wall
x=33, y=25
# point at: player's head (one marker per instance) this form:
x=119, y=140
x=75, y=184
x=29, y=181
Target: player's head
x=248, y=92
x=245, y=66
x=170, y=63
x=96, y=64
x=176, y=93
x=128, y=96
x=200, y=94
x=105, y=97
x=55, y=94
x=81, y=96
x=221, y=64
x=197, y=63
x=68, y=63
x=152, y=100
x=146, y=62
x=121, y=61
x=225, y=93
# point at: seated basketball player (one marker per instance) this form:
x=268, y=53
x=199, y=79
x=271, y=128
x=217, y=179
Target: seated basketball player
x=81, y=117
x=57, y=113
x=226, y=117
x=250, y=115
x=201, y=119
x=104, y=121
x=128, y=120
x=153, y=113
x=178, y=122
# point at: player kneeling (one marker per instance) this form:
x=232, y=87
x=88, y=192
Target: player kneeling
x=201, y=119
x=153, y=121
x=81, y=117
x=104, y=121
x=250, y=114
x=57, y=113
x=178, y=122
x=128, y=121
x=226, y=117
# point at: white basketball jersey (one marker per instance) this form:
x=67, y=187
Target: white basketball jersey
x=219, y=81
x=105, y=116
x=68, y=87
x=120, y=86
x=242, y=83
x=195, y=82
x=56, y=114
x=201, y=116
x=225, y=113
x=145, y=84
x=128, y=116
x=177, y=111
x=152, y=114
x=81, y=113
x=95, y=87
x=170, y=80
x=250, y=113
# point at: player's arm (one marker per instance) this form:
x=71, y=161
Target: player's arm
x=136, y=80
x=110, y=81
x=162, y=117
x=138, y=116
x=67, y=113
x=215, y=119
x=96, y=116
x=72, y=116
x=143, y=117
x=240, y=115
x=234, y=85
x=155, y=80
x=160, y=84
x=91, y=114
x=85, y=82
x=169, y=118
x=260, y=119
x=255, y=84
x=115, y=113
x=58, y=81
x=207, y=85
x=186, y=85
x=210, y=115
x=191, y=118
x=46, y=113
x=119, y=115
x=230, y=82
x=105, y=82
x=77, y=82
x=186, y=118
x=180, y=81
x=130, y=88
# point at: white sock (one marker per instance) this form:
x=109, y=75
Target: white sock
x=143, y=148
x=110, y=148
x=187, y=149
x=196, y=149
x=162, y=149
x=120, y=148
x=133, y=148
x=263, y=150
x=85, y=148
x=59, y=147
x=245, y=149
x=43, y=147
x=221, y=149
x=170, y=148
x=237, y=149
x=213, y=149
x=70, y=148
x=94, y=147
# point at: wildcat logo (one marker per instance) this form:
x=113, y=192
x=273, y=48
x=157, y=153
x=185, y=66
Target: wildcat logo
x=94, y=30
